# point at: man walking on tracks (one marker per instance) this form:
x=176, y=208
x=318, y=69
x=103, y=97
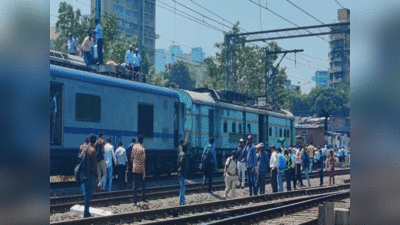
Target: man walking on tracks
x=121, y=160
x=82, y=150
x=310, y=151
x=128, y=155
x=251, y=164
x=138, y=158
x=241, y=161
x=273, y=164
x=101, y=163
x=209, y=163
x=183, y=168
x=230, y=174
x=109, y=157
x=299, y=179
x=90, y=173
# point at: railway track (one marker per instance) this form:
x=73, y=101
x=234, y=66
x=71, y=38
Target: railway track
x=222, y=210
x=104, y=199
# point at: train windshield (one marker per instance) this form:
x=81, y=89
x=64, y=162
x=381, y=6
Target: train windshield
x=56, y=103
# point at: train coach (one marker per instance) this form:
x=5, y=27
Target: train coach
x=90, y=102
x=227, y=117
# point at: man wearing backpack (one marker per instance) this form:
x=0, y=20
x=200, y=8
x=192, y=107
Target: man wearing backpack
x=209, y=163
x=251, y=164
x=281, y=169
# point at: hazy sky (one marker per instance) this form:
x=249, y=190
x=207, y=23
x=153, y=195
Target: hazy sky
x=187, y=33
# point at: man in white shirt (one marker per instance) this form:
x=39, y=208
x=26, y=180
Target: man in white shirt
x=273, y=164
x=71, y=44
x=137, y=60
x=129, y=57
x=121, y=162
x=109, y=157
x=299, y=180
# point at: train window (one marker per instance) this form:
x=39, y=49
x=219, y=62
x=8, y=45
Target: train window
x=225, y=127
x=234, y=127
x=276, y=132
x=304, y=132
x=145, y=120
x=227, y=112
x=280, y=132
x=244, y=128
x=270, y=131
x=87, y=107
x=240, y=128
x=249, y=128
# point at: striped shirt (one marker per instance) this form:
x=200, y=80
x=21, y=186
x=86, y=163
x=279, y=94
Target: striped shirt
x=120, y=155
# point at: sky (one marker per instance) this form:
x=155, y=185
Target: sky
x=174, y=29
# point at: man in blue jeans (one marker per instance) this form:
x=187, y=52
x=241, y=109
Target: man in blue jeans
x=183, y=171
x=281, y=171
x=251, y=163
x=90, y=173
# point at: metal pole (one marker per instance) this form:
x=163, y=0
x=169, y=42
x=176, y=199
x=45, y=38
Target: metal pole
x=98, y=10
x=266, y=74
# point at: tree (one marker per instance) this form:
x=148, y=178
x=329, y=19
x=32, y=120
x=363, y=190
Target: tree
x=249, y=74
x=178, y=76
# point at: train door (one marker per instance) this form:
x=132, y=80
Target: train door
x=56, y=113
x=211, y=122
x=261, y=128
x=176, y=125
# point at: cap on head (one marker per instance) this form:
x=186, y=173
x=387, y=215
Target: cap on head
x=241, y=140
x=260, y=145
x=130, y=46
x=136, y=49
x=249, y=137
x=272, y=147
x=70, y=34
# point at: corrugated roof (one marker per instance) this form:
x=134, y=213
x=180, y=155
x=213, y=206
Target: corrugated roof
x=203, y=97
x=308, y=126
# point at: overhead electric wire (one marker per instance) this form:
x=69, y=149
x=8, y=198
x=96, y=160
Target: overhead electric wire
x=284, y=18
x=305, y=11
x=339, y=4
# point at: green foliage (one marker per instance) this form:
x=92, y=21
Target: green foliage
x=178, y=75
x=249, y=73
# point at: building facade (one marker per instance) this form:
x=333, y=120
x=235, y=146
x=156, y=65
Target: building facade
x=161, y=60
x=321, y=78
x=174, y=53
x=339, y=54
x=134, y=17
x=197, y=55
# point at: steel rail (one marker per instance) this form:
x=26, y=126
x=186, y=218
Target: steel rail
x=63, y=204
x=198, y=208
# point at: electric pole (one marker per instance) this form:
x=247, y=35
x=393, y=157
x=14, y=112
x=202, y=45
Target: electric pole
x=98, y=10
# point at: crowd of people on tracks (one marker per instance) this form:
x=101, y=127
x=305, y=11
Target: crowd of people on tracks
x=92, y=50
x=249, y=161
x=255, y=164
x=99, y=159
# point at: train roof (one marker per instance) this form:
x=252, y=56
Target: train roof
x=79, y=75
x=206, y=98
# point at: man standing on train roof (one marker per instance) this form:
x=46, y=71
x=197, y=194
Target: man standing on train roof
x=138, y=159
x=99, y=41
x=137, y=60
x=251, y=163
x=209, y=163
x=241, y=161
x=71, y=44
x=87, y=44
x=90, y=173
x=129, y=58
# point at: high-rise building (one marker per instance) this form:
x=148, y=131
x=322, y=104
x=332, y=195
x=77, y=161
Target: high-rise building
x=161, y=60
x=339, y=54
x=174, y=53
x=197, y=55
x=321, y=78
x=130, y=15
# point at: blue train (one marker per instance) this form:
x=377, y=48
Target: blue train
x=92, y=102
